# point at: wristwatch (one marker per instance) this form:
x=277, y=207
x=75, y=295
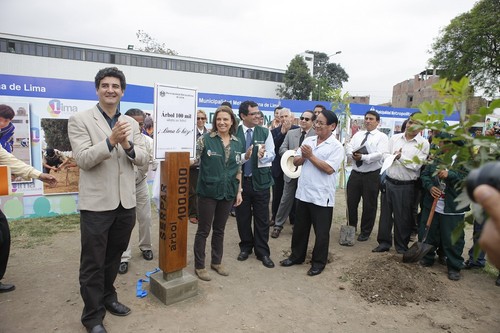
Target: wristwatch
x=130, y=148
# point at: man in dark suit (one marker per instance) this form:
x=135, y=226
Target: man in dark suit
x=293, y=140
x=279, y=133
x=256, y=182
x=106, y=146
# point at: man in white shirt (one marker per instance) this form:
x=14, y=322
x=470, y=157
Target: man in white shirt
x=320, y=157
x=401, y=179
x=365, y=176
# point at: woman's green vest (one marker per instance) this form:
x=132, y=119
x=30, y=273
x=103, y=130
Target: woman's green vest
x=217, y=179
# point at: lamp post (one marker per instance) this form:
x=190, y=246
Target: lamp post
x=319, y=79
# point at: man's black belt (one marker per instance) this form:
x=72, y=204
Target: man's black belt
x=400, y=182
x=365, y=173
x=247, y=177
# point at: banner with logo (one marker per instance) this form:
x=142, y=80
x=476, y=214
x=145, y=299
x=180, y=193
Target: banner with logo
x=58, y=99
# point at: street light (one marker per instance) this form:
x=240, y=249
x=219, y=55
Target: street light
x=338, y=52
x=319, y=79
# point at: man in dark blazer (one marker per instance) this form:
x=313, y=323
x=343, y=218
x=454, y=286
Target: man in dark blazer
x=257, y=180
x=106, y=146
x=279, y=133
x=293, y=140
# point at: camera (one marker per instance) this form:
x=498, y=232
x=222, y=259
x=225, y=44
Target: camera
x=488, y=174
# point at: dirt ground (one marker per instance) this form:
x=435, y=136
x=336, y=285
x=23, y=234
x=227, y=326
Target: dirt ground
x=359, y=291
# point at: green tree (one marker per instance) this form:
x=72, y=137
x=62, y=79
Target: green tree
x=56, y=133
x=468, y=152
x=298, y=81
x=470, y=46
x=152, y=45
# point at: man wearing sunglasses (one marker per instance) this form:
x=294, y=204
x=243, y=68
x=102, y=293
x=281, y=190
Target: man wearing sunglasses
x=293, y=140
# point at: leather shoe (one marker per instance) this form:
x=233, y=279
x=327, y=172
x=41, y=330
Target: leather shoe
x=362, y=238
x=271, y=223
x=454, y=275
x=243, y=255
x=147, y=254
x=275, y=233
x=380, y=248
x=5, y=288
x=118, y=309
x=123, y=268
x=266, y=261
x=426, y=263
x=314, y=271
x=287, y=262
x=97, y=329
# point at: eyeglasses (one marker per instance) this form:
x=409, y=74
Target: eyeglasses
x=201, y=118
x=305, y=118
x=320, y=123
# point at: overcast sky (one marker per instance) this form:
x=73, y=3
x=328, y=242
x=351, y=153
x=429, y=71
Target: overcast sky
x=383, y=42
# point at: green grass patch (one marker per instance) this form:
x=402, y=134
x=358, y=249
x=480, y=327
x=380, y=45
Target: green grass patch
x=28, y=233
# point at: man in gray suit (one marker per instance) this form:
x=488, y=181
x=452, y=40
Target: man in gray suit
x=106, y=146
x=293, y=140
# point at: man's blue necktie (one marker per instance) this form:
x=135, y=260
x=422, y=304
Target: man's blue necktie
x=247, y=167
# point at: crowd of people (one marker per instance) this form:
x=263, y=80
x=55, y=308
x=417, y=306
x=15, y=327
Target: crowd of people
x=238, y=166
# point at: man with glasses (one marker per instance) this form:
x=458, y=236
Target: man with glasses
x=286, y=123
x=320, y=157
x=365, y=176
x=201, y=120
x=257, y=180
x=293, y=140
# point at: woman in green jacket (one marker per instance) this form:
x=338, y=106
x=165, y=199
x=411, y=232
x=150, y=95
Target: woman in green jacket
x=219, y=186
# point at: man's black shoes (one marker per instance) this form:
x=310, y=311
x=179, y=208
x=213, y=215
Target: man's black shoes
x=314, y=271
x=380, y=248
x=118, y=309
x=287, y=262
x=147, y=254
x=97, y=329
x=363, y=238
x=266, y=261
x=243, y=256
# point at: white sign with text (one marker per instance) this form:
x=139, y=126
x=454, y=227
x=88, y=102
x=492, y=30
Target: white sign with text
x=175, y=120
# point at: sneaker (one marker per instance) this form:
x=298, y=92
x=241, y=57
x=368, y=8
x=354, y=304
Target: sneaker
x=453, y=275
x=275, y=233
x=123, y=268
x=193, y=220
x=220, y=269
x=203, y=274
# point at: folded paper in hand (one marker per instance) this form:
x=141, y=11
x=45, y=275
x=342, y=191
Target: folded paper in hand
x=360, y=150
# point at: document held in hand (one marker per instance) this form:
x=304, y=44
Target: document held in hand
x=361, y=150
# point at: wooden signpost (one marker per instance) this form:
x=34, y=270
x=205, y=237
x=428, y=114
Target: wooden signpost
x=171, y=284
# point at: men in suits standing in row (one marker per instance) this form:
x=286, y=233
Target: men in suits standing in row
x=257, y=180
x=293, y=140
x=279, y=133
x=106, y=146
